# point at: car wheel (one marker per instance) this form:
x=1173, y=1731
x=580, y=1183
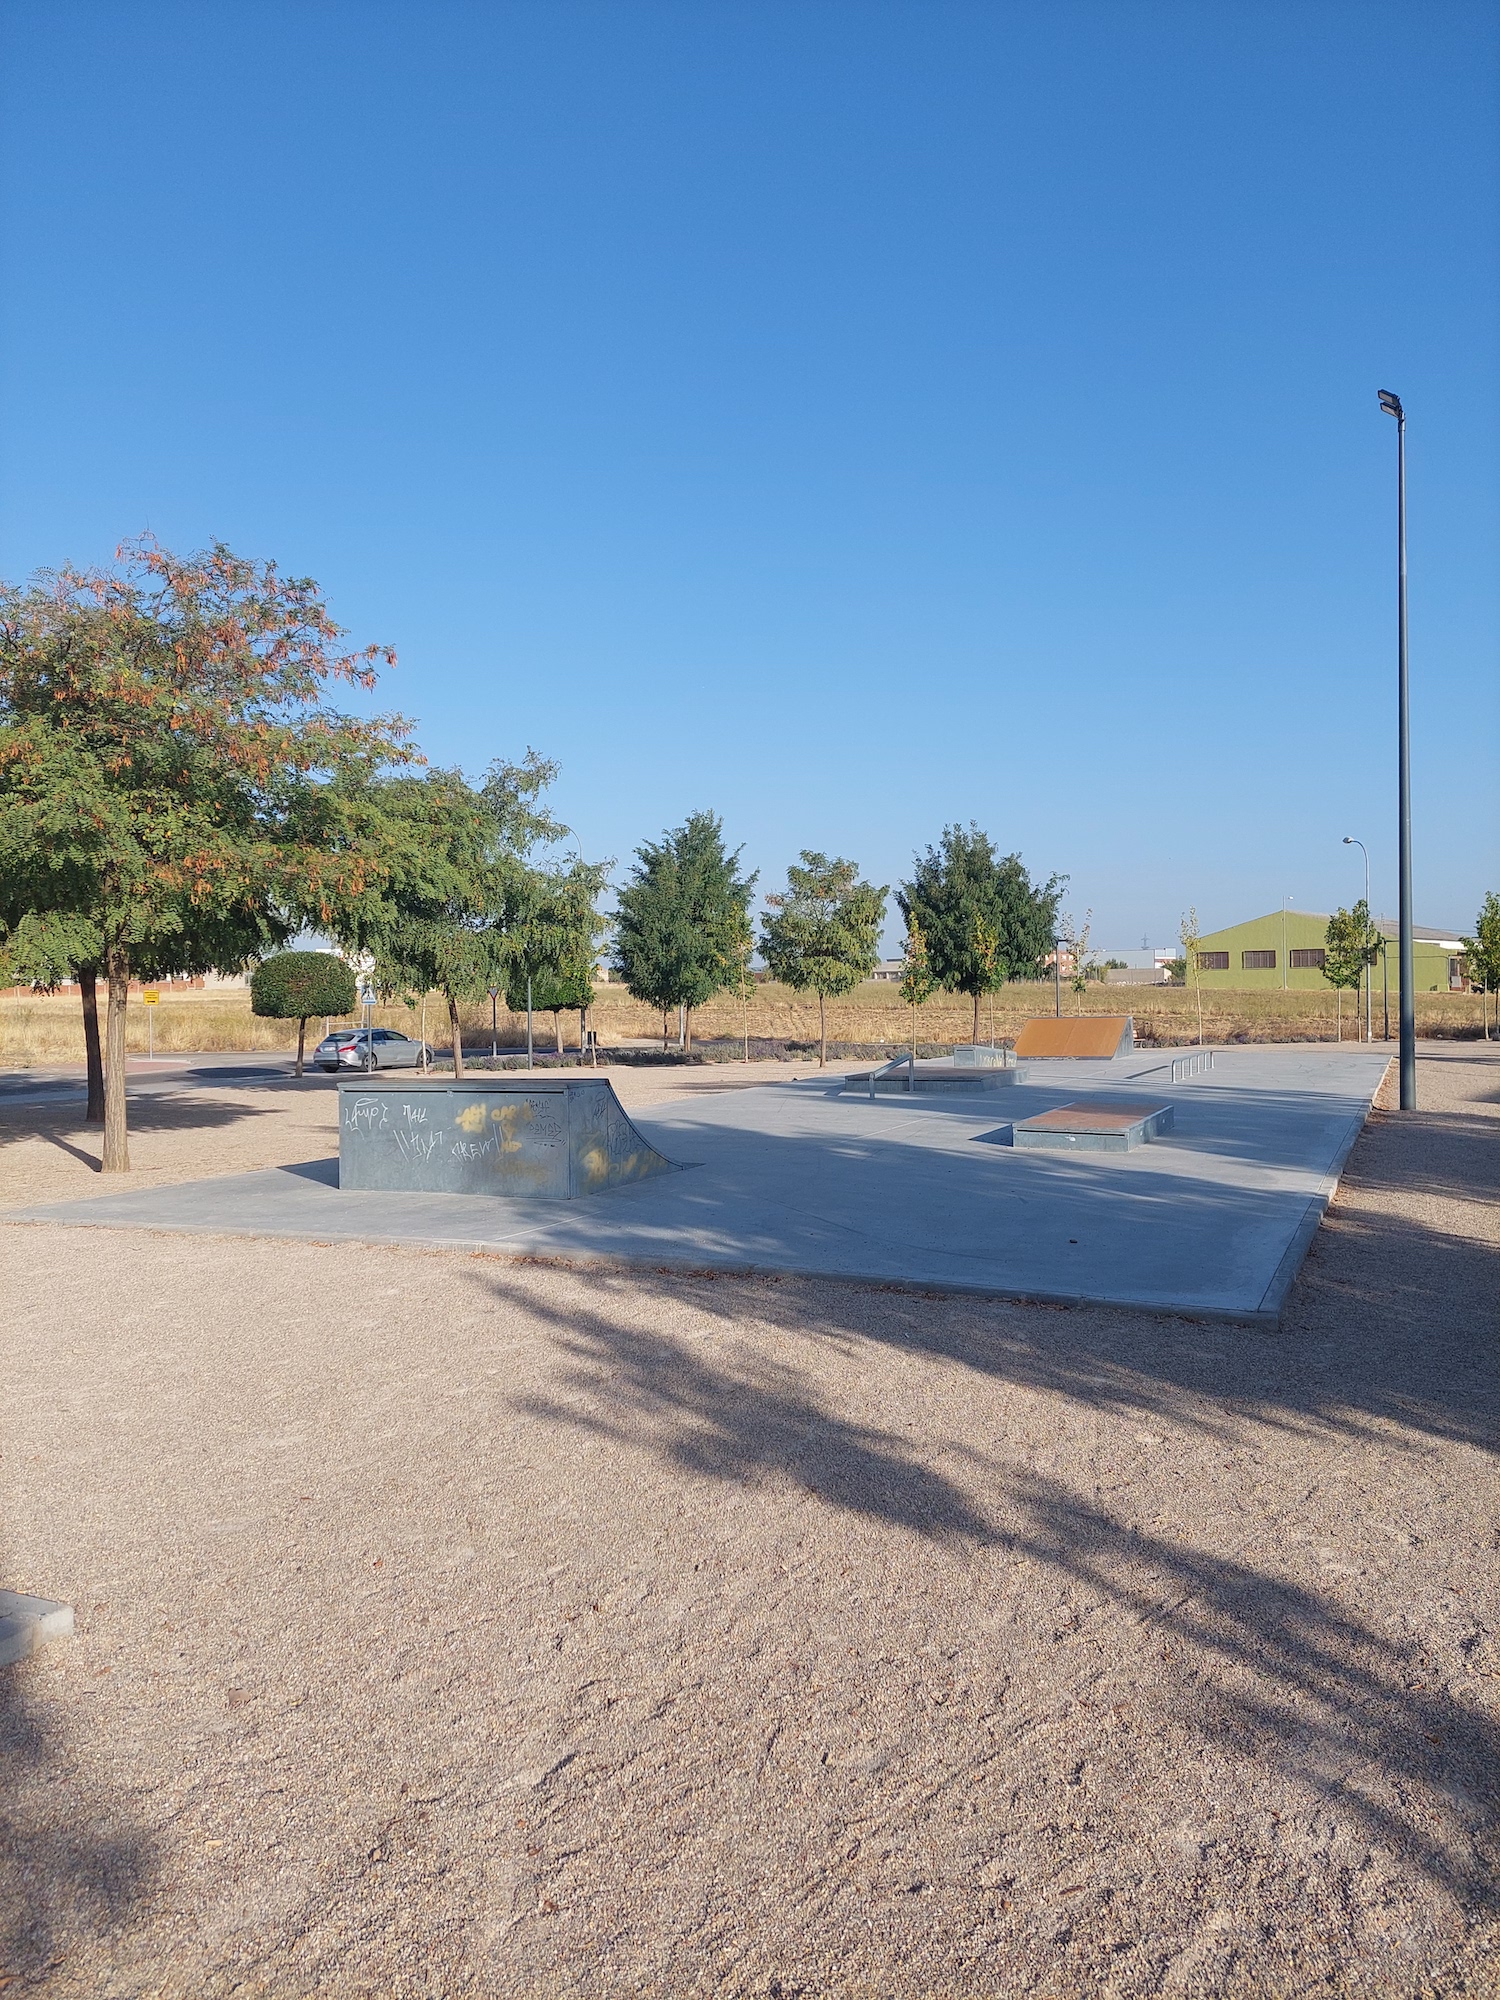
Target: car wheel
x=370, y=1061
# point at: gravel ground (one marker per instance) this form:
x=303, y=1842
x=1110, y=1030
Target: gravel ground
x=449, y=1626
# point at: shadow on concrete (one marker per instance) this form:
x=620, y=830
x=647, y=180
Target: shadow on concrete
x=324, y=1172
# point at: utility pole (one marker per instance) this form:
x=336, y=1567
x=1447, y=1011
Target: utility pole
x=1391, y=404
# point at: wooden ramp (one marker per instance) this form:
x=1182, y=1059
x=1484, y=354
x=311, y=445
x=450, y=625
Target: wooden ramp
x=1083, y=1035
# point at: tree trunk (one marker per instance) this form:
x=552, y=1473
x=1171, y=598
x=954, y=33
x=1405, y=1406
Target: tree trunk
x=583, y=1031
x=116, y=1144
x=456, y=1036
x=301, y=1044
x=1339, y=1031
x=664, y=1018
x=88, y=986
x=976, y=1020
x=687, y=1031
x=823, y=1031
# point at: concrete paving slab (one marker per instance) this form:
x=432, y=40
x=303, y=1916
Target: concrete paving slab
x=29, y=1623
x=1213, y=1219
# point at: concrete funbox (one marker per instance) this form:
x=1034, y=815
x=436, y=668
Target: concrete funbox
x=515, y=1133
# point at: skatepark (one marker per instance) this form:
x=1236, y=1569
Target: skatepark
x=931, y=1188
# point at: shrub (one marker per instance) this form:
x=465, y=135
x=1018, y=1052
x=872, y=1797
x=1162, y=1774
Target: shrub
x=296, y=984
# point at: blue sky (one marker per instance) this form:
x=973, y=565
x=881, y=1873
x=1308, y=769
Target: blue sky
x=847, y=417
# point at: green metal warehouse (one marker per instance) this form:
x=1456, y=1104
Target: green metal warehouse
x=1286, y=949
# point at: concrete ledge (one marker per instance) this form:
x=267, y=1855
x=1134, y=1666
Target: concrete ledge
x=29, y=1623
x=1093, y=1128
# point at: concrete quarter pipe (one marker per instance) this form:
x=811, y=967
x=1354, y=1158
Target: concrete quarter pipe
x=509, y=1134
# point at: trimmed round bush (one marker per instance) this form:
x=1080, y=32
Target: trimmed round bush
x=295, y=985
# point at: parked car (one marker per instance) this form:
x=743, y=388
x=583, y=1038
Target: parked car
x=369, y=1048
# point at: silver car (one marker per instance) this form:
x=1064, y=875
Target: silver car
x=369, y=1048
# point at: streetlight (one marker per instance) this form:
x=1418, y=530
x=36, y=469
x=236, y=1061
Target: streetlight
x=1284, y=901
x=1391, y=404
x=494, y=1022
x=1350, y=841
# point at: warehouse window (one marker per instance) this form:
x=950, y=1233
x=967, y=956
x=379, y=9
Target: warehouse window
x=1309, y=960
x=1258, y=961
x=1213, y=961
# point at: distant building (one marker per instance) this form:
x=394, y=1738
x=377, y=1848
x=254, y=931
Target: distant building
x=890, y=969
x=1287, y=950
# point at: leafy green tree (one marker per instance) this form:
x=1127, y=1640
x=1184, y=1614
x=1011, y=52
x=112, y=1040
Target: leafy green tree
x=552, y=951
x=917, y=983
x=962, y=881
x=1482, y=955
x=1349, y=946
x=462, y=905
x=295, y=985
x=437, y=924
x=42, y=948
x=681, y=919
x=823, y=933
x=172, y=774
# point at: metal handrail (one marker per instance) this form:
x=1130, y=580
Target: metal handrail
x=894, y=1064
x=1191, y=1065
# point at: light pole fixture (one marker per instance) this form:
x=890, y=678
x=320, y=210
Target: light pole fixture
x=1365, y=970
x=1391, y=404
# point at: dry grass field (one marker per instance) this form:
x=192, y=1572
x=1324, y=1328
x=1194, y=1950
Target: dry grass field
x=48, y=1028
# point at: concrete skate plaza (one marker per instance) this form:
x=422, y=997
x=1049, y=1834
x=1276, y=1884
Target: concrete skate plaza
x=1213, y=1217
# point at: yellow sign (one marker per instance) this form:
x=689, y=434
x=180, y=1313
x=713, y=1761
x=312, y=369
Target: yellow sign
x=150, y=998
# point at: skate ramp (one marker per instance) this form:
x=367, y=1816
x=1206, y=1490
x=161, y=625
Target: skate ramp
x=1085, y=1035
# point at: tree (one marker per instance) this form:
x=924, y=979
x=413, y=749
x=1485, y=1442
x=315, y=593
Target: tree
x=916, y=974
x=1192, y=937
x=462, y=906
x=41, y=949
x=681, y=919
x=170, y=768
x=963, y=880
x=551, y=953
x=1482, y=955
x=437, y=925
x=1076, y=938
x=823, y=933
x=297, y=984
x=1347, y=950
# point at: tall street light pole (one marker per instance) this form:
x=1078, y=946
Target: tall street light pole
x=1391, y=404
x=1350, y=841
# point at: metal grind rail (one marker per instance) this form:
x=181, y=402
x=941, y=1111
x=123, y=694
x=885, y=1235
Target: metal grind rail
x=906, y=1062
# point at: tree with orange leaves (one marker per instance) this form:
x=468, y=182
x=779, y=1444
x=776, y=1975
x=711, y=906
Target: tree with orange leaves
x=177, y=791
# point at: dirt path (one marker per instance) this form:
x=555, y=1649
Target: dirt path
x=451, y=1627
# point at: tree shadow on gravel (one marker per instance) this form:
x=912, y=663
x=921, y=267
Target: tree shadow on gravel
x=744, y=1427
x=1268, y=1671
x=1273, y=1670
x=61, y=1877
x=63, y=1128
